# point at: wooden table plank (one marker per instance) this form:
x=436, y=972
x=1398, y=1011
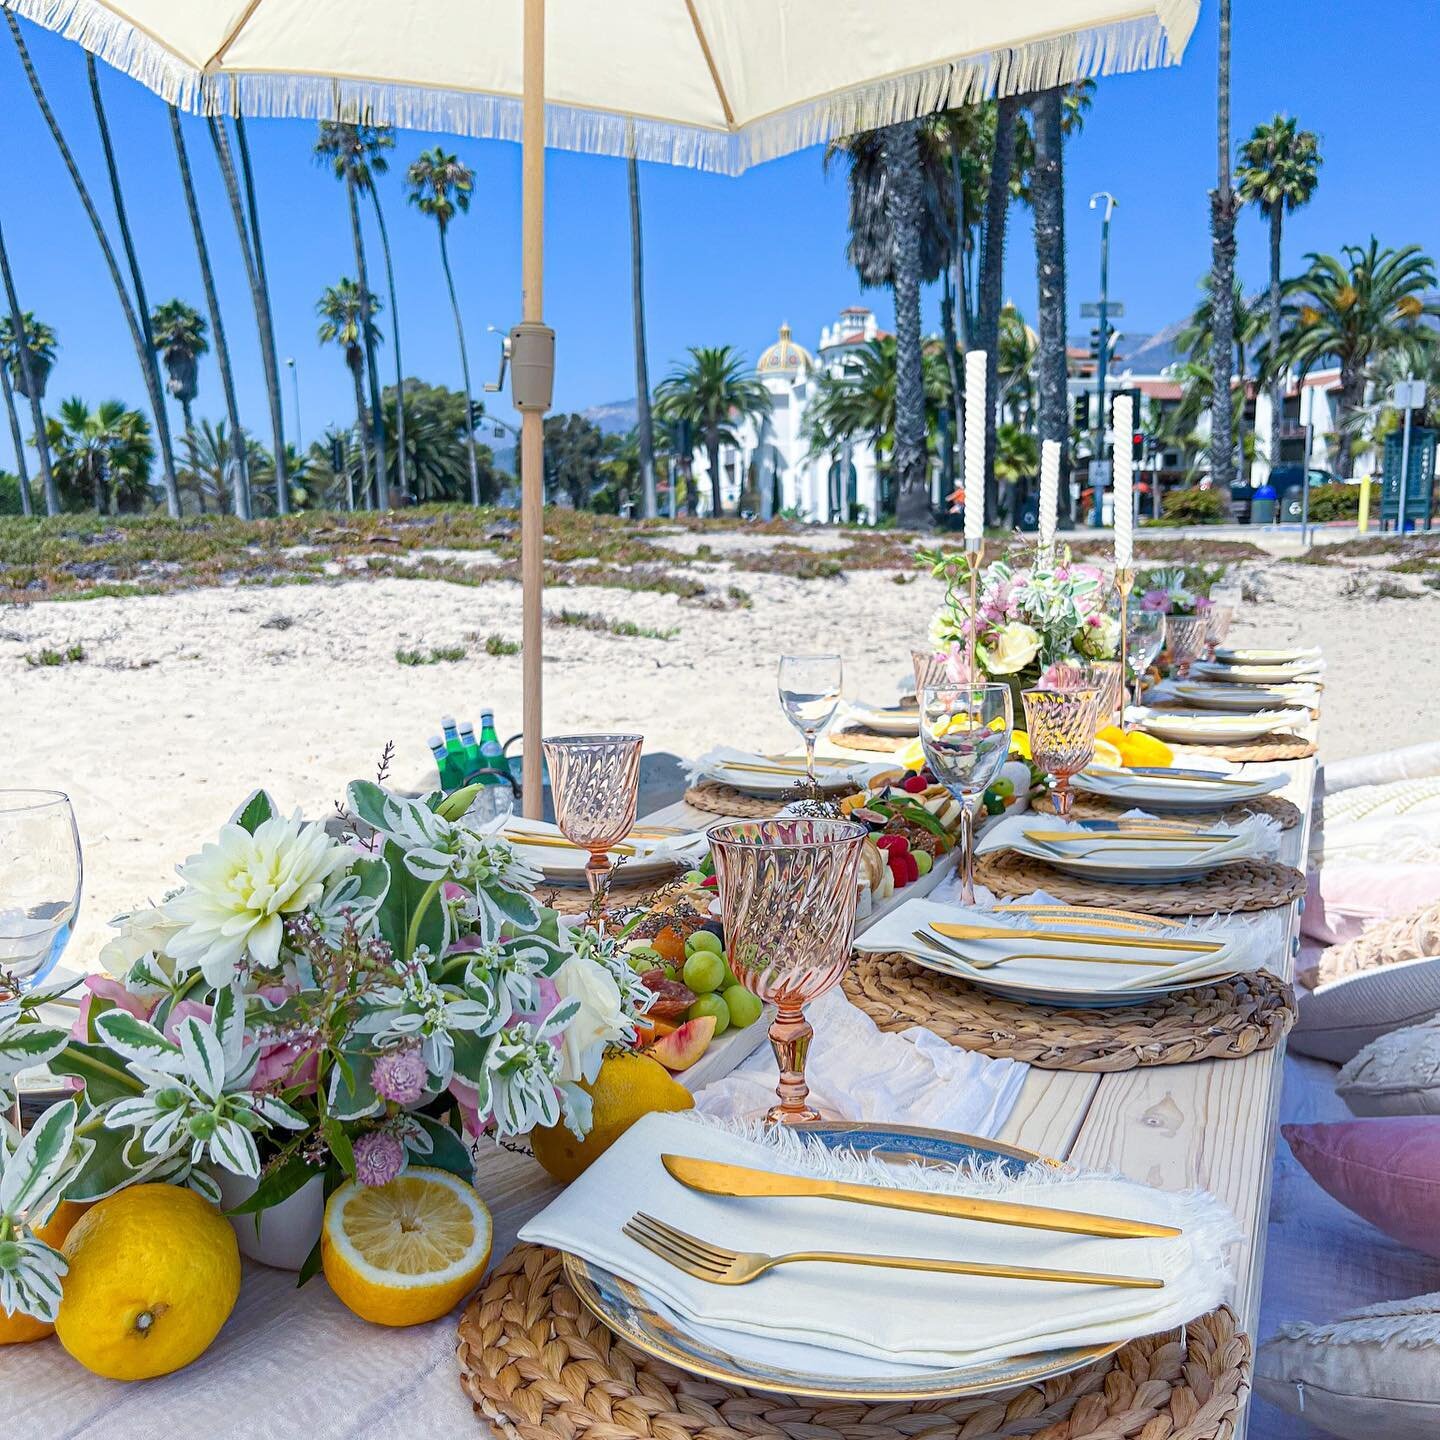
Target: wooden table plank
x=1050, y=1111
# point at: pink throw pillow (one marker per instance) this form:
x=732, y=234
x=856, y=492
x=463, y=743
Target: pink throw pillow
x=1341, y=900
x=1385, y=1169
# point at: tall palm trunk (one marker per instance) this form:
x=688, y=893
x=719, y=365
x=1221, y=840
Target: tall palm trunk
x=149, y=363
x=959, y=305
x=189, y=415
x=952, y=367
x=1277, y=378
x=362, y=424
x=239, y=470
x=400, y=457
x=643, y=420
x=143, y=354
x=991, y=287
x=32, y=391
x=464, y=371
x=1222, y=281
x=260, y=297
x=372, y=372
x=712, y=457
x=902, y=203
x=22, y=471
x=1047, y=188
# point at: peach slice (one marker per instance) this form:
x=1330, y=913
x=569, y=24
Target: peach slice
x=683, y=1047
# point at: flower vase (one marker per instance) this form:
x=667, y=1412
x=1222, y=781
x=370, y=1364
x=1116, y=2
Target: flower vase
x=283, y=1235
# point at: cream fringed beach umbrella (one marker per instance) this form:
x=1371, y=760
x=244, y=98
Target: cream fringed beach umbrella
x=719, y=84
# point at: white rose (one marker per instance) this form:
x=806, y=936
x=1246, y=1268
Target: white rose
x=1012, y=649
x=600, y=1020
x=142, y=932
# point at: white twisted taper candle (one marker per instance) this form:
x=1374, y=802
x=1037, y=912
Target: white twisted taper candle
x=1049, y=494
x=976, y=400
x=1122, y=432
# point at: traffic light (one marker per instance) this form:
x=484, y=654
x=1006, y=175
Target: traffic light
x=1081, y=415
x=1137, y=446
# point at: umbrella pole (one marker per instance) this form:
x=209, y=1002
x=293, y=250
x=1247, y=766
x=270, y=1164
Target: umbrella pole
x=532, y=423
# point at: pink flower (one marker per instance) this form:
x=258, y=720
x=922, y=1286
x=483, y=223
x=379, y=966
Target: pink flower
x=1156, y=600
x=280, y=1062
x=1202, y=603
x=105, y=988
x=956, y=668
x=467, y=1098
x=379, y=1158
x=399, y=1075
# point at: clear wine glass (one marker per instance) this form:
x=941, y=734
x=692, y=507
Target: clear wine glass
x=810, y=688
x=931, y=668
x=1062, y=735
x=1219, y=618
x=1185, y=635
x=1144, y=640
x=787, y=888
x=965, y=733
x=40, y=876
x=595, y=780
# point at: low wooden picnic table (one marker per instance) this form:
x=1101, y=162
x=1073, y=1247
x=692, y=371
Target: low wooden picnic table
x=292, y=1363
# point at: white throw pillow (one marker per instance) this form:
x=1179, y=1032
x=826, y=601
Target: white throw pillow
x=1373, y=1374
x=1398, y=1074
x=1340, y=1019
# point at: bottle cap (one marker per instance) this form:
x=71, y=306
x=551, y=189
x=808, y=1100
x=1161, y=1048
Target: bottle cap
x=435, y=742
x=448, y=721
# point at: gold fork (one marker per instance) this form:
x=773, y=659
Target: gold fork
x=989, y=962
x=718, y=1266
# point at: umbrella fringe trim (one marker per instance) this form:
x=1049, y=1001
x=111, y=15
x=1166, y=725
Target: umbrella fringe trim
x=1145, y=41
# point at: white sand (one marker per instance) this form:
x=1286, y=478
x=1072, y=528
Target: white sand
x=186, y=702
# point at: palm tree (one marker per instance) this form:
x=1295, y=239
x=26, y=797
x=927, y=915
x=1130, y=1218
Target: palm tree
x=1279, y=170
x=137, y=334
x=1055, y=114
x=239, y=478
x=17, y=439
x=440, y=185
x=1197, y=340
x=856, y=402
x=1356, y=310
x=103, y=456
x=435, y=428
x=901, y=234
x=356, y=154
x=644, y=424
x=251, y=252
x=715, y=395
x=209, y=466
x=992, y=262
x=178, y=331
x=29, y=365
x=1223, y=207
x=20, y=323
x=142, y=307
x=347, y=320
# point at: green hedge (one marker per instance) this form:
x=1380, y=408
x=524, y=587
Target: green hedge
x=1334, y=502
x=1192, y=506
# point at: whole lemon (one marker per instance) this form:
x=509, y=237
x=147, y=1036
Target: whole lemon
x=627, y=1087
x=17, y=1328
x=154, y=1274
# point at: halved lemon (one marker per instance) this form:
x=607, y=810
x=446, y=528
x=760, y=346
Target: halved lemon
x=406, y=1252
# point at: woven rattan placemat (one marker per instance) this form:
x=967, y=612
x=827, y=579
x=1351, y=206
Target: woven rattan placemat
x=538, y=1366
x=1241, y=885
x=1266, y=747
x=575, y=899
x=855, y=738
x=725, y=800
x=1094, y=807
x=1211, y=1022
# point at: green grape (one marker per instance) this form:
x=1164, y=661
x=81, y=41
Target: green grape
x=704, y=940
x=704, y=971
x=711, y=1005
x=743, y=1005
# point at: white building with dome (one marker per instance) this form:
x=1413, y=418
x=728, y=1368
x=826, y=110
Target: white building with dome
x=772, y=466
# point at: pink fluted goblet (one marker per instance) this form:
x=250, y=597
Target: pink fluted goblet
x=788, y=890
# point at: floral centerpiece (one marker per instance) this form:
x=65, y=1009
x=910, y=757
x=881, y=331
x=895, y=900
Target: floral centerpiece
x=310, y=1006
x=1178, y=590
x=1028, y=618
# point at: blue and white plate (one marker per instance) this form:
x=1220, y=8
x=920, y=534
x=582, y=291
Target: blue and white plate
x=660, y=1332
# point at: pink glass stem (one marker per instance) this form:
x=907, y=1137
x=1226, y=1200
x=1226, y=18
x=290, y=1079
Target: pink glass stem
x=1063, y=796
x=790, y=1036
x=967, y=852
x=597, y=877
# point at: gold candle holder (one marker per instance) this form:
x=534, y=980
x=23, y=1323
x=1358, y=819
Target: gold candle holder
x=1125, y=582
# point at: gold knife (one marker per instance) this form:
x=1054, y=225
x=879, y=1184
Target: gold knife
x=952, y=930
x=712, y=1177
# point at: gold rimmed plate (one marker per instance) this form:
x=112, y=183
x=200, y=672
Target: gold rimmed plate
x=658, y=1331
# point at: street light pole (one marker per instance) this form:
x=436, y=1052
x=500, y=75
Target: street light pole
x=1098, y=449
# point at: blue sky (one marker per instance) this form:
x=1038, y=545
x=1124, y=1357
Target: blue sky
x=727, y=259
